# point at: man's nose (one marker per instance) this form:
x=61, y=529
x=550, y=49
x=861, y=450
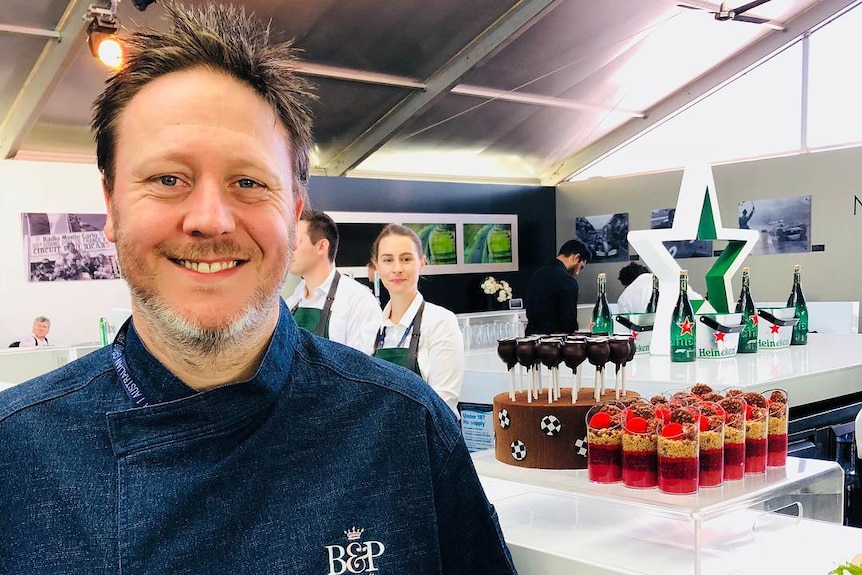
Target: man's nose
x=208, y=210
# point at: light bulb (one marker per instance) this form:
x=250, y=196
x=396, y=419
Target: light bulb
x=111, y=52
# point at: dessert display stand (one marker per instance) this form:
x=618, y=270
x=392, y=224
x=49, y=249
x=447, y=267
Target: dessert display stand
x=557, y=522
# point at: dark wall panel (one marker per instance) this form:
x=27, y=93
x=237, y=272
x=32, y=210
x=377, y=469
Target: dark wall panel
x=534, y=205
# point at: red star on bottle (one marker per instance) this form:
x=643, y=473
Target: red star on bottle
x=754, y=319
x=686, y=327
x=774, y=328
x=719, y=336
x=592, y=324
x=635, y=335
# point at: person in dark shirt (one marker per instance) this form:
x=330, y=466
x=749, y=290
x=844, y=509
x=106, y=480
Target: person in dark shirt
x=552, y=294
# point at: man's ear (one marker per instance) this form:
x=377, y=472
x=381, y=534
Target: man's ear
x=110, y=232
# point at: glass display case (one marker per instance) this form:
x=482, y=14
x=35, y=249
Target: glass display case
x=558, y=522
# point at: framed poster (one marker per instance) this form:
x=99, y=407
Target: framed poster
x=452, y=243
x=68, y=247
x=606, y=236
x=784, y=224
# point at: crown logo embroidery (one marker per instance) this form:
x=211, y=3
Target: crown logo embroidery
x=353, y=533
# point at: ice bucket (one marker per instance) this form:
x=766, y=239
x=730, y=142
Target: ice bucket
x=639, y=325
x=775, y=327
x=718, y=334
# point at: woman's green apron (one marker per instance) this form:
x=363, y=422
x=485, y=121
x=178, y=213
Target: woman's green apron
x=405, y=357
x=317, y=320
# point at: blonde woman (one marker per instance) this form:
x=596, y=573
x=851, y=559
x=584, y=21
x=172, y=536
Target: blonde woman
x=416, y=334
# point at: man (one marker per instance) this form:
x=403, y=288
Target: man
x=214, y=436
x=38, y=335
x=637, y=284
x=552, y=294
x=325, y=302
x=637, y=281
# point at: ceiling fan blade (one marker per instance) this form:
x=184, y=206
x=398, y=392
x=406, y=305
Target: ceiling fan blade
x=751, y=19
x=691, y=6
x=749, y=6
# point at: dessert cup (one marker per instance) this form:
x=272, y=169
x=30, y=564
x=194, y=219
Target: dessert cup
x=756, y=432
x=734, y=437
x=711, y=445
x=640, y=455
x=776, y=453
x=678, y=454
x=605, y=442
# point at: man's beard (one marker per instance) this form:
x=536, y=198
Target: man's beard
x=186, y=337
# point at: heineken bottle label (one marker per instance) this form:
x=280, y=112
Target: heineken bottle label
x=683, y=346
x=601, y=324
x=748, y=336
x=800, y=330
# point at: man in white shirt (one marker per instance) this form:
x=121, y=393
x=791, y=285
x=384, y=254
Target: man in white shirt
x=637, y=281
x=326, y=302
x=637, y=284
x=39, y=335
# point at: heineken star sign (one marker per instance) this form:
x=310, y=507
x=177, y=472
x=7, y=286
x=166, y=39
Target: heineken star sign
x=697, y=218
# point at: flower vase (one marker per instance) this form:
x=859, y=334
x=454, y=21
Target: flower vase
x=491, y=303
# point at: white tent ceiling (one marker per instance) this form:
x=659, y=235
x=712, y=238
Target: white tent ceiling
x=487, y=90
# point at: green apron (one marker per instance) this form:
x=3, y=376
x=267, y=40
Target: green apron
x=405, y=357
x=317, y=320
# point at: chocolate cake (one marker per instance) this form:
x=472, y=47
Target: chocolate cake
x=542, y=435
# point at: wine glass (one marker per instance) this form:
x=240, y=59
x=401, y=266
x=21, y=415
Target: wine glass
x=527, y=354
x=574, y=354
x=549, y=354
x=506, y=352
x=618, y=346
x=598, y=353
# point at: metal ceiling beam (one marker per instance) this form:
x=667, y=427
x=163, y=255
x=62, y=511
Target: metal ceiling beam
x=46, y=73
x=695, y=91
x=503, y=31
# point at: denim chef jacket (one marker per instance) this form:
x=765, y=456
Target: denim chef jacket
x=326, y=462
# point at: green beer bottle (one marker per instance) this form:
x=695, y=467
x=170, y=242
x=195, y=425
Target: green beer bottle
x=652, y=306
x=601, y=322
x=442, y=245
x=683, y=346
x=500, y=245
x=800, y=307
x=745, y=306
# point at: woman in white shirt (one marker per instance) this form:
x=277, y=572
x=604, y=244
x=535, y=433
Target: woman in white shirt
x=416, y=334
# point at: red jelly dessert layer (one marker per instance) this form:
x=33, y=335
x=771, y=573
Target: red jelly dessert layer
x=755, y=455
x=640, y=468
x=734, y=461
x=604, y=463
x=711, y=468
x=677, y=474
x=777, y=452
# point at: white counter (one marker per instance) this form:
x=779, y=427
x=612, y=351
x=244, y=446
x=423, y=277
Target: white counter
x=20, y=364
x=829, y=366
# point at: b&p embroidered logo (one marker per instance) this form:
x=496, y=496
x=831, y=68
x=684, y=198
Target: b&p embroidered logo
x=356, y=556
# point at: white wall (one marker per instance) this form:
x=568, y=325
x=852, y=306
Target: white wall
x=74, y=307
x=832, y=179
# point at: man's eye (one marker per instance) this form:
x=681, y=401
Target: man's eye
x=247, y=183
x=169, y=181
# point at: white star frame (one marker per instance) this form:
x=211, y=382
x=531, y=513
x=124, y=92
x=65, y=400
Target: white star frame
x=697, y=217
